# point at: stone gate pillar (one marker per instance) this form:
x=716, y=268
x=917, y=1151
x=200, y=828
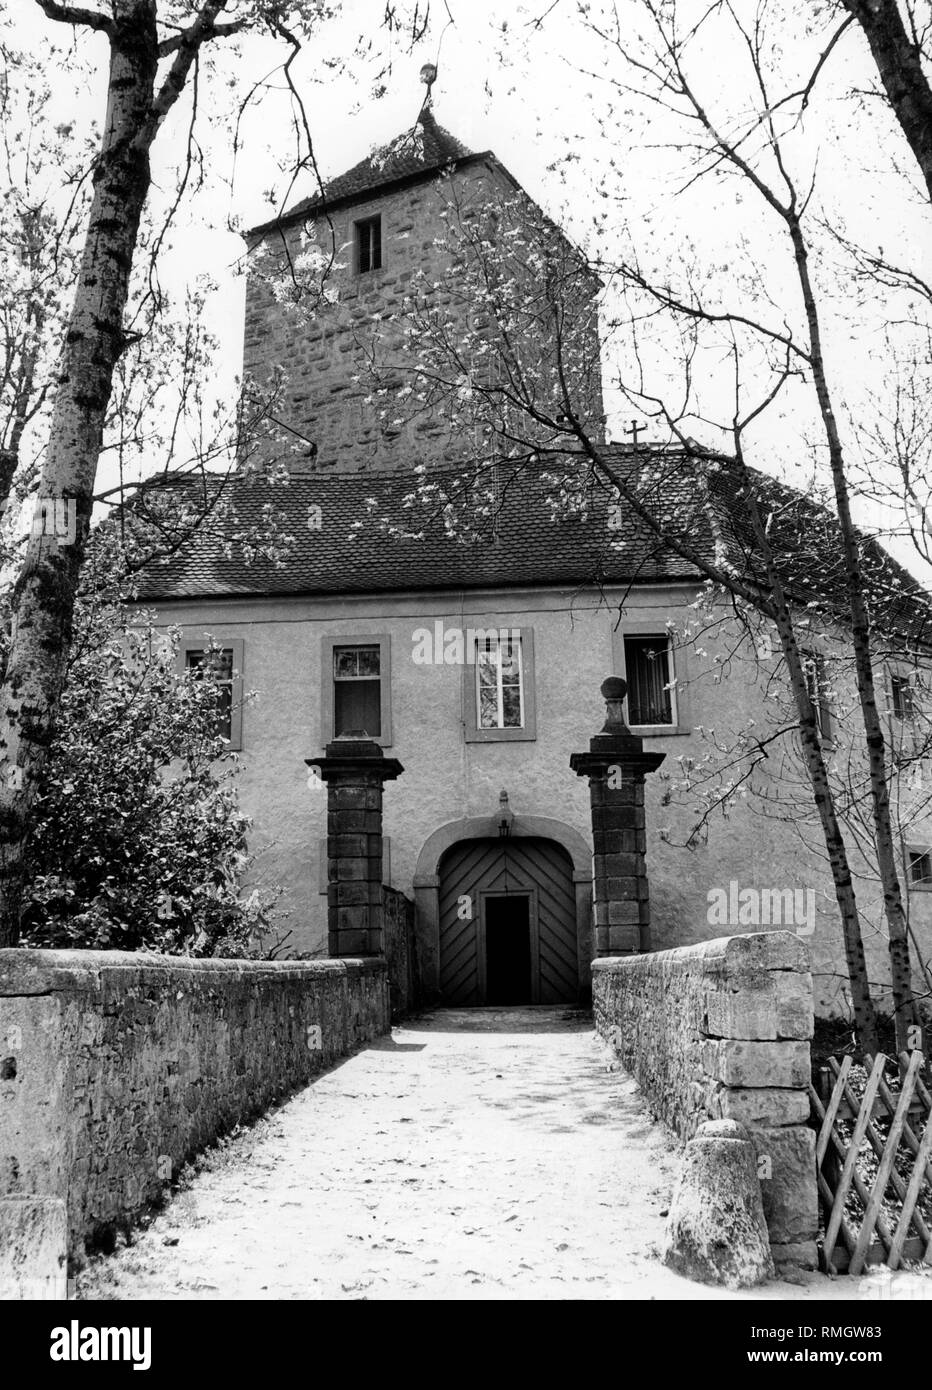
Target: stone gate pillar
x=354, y=768
x=615, y=765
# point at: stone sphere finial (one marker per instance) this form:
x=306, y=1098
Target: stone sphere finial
x=614, y=688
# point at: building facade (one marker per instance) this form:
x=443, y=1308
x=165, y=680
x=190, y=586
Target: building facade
x=478, y=666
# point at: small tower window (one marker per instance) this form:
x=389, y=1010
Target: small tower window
x=368, y=244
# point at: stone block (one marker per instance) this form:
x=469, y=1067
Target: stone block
x=344, y=845
x=760, y=1005
x=349, y=869
x=769, y=950
x=737, y=1062
x=764, y=1105
x=606, y=866
x=349, y=942
x=347, y=894
x=788, y=1181
x=624, y=938
x=623, y=913
x=624, y=889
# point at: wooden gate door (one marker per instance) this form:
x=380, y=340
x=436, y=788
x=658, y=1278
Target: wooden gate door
x=475, y=877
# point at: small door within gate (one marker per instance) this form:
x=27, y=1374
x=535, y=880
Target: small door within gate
x=507, y=923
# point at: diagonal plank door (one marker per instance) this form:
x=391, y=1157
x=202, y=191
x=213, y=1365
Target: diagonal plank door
x=540, y=868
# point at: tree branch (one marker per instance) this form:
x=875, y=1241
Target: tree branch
x=76, y=14
x=216, y=31
x=189, y=43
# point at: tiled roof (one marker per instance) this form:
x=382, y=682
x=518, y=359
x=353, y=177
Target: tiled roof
x=420, y=151
x=352, y=549
x=805, y=540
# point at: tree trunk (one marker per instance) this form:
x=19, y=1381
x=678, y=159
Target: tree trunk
x=865, y=1021
x=43, y=597
x=904, y=1007
x=777, y=609
x=899, y=64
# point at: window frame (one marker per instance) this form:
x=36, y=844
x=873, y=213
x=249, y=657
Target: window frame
x=912, y=885
x=237, y=646
x=900, y=679
x=383, y=641
x=825, y=724
x=676, y=665
x=369, y=221
x=472, y=731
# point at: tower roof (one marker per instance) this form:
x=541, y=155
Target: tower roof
x=412, y=155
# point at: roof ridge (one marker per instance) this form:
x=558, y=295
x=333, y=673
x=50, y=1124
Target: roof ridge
x=420, y=149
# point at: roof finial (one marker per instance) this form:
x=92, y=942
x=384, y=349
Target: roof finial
x=428, y=77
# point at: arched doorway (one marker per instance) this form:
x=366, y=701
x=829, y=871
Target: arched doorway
x=508, y=923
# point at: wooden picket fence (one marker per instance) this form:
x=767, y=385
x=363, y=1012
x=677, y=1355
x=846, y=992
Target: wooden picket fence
x=905, y=1114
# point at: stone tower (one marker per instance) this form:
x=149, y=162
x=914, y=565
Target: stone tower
x=336, y=286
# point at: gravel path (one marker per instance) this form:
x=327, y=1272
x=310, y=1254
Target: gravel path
x=474, y=1153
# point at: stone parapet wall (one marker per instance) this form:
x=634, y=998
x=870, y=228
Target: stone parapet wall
x=116, y=1068
x=721, y=1030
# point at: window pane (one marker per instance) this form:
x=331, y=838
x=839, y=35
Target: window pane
x=225, y=710
x=344, y=661
x=648, y=668
x=488, y=669
x=498, y=667
x=216, y=666
x=511, y=662
x=368, y=244
x=219, y=664
x=511, y=706
x=815, y=685
x=357, y=708
x=352, y=662
x=903, y=698
x=488, y=707
x=368, y=658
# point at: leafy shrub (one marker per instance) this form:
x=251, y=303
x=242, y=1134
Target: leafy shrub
x=138, y=841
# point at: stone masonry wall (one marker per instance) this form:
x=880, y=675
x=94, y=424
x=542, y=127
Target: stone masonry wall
x=324, y=348
x=721, y=1030
x=116, y=1068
